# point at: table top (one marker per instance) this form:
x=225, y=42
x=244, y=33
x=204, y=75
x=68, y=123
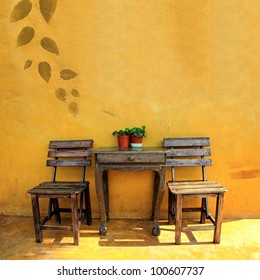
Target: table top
x=116, y=150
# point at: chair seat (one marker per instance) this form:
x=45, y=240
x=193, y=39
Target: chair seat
x=59, y=188
x=195, y=187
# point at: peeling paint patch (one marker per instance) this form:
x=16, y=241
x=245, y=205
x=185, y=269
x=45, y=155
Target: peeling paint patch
x=245, y=174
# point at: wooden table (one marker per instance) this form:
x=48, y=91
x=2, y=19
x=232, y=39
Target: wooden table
x=129, y=160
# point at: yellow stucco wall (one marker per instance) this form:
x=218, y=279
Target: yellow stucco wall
x=182, y=68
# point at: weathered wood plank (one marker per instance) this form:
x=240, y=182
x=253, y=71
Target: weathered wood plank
x=53, y=227
x=63, y=184
x=189, y=162
x=57, y=189
x=70, y=163
x=66, y=144
x=199, y=191
x=59, y=194
x=197, y=228
x=186, y=142
x=69, y=153
x=194, y=184
x=189, y=152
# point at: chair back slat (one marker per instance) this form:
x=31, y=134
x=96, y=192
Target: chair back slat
x=186, y=142
x=68, y=163
x=189, y=152
x=70, y=144
x=188, y=162
x=69, y=153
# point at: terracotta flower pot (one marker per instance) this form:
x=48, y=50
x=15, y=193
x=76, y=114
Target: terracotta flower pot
x=136, y=141
x=123, y=141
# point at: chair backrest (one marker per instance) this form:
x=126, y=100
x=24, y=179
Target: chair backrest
x=69, y=153
x=188, y=152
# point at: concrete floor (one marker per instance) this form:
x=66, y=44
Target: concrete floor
x=128, y=240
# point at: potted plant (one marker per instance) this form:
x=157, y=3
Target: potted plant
x=136, y=136
x=122, y=137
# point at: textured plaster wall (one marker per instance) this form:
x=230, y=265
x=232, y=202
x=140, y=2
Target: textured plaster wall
x=182, y=68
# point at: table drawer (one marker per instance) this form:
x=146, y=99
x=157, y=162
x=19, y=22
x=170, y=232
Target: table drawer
x=130, y=158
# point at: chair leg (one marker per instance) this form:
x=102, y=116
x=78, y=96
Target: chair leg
x=50, y=208
x=204, y=210
x=174, y=208
x=88, y=206
x=75, y=219
x=56, y=210
x=81, y=210
x=53, y=202
x=36, y=218
x=178, y=216
x=218, y=218
x=171, y=208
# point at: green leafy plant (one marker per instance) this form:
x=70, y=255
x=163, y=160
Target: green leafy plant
x=121, y=132
x=139, y=131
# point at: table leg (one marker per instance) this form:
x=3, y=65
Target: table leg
x=159, y=197
x=106, y=192
x=101, y=198
x=155, y=191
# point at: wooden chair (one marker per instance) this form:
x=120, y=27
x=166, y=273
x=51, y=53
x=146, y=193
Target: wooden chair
x=192, y=152
x=66, y=153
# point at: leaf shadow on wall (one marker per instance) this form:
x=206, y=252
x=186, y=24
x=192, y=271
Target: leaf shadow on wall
x=47, y=9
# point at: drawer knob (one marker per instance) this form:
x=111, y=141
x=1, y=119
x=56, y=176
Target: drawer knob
x=131, y=158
